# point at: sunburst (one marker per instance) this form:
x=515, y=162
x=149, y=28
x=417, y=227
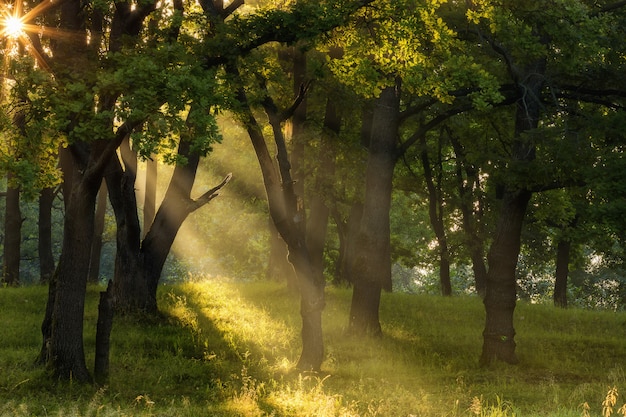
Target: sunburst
x=12, y=27
x=16, y=29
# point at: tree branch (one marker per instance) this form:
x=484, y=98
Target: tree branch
x=209, y=195
x=286, y=114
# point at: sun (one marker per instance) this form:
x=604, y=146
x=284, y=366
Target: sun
x=12, y=27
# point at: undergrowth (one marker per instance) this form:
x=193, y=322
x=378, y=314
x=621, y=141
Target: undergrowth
x=226, y=348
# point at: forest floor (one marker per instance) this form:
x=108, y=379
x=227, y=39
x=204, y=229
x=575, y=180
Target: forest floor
x=228, y=348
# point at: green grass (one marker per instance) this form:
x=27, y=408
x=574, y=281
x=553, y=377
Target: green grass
x=228, y=348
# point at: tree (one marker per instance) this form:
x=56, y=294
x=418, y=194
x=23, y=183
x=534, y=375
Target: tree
x=404, y=43
x=527, y=40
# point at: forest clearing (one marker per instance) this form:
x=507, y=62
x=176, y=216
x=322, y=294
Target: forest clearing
x=228, y=348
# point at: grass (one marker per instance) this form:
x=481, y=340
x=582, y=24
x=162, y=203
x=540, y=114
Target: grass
x=225, y=348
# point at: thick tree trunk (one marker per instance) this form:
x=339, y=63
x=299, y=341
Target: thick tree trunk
x=12, y=236
x=500, y=297
x=562, y=272
x=372, y=266
x=96, y=246
x=66, y=351
x=44, y=245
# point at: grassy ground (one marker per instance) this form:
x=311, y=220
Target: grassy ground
x=227, y=349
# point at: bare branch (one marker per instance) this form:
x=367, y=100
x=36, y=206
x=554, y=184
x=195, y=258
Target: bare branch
x=230, y=9
x=304, y=87
x=210, y=195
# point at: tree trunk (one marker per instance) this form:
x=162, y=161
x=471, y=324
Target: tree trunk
x=372, y=266
x=174, y=209
x=66, y=351
x=106, y=309
x=435, y=214
x=348, y=243
x=562, y=272
x=287, y=213
x=500, y=297
x=44, y=245
x=12, y=236
x=278, y=266
x=470, y=217
x=317, y=225
x=129, y=288
x=96, y=246
x=149, y=202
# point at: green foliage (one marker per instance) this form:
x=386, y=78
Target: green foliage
x=30, y=136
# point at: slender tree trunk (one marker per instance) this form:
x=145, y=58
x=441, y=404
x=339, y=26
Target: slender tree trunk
x=500, y=297
x=287, y=213
x=470, y=217
x=149, y=202
x=44, y=245
x=435, y=214
x=96, y=247
x=12, y=236
x=562, y=272
x=372, y=266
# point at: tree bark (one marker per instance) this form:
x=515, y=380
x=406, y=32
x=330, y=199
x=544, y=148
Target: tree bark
x=501, y=296
x=12, y=236
x=44, y=245
x=66, y=350
x=372, y=266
